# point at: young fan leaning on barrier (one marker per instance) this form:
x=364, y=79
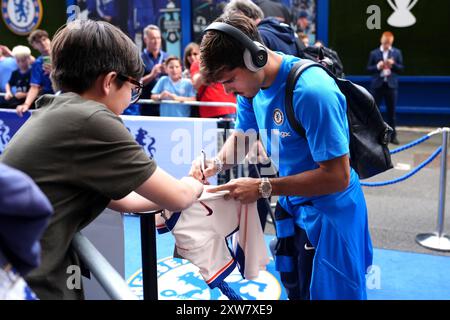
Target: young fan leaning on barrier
x=78, y=151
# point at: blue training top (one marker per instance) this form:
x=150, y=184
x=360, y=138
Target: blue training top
x=336, y=224
x=39, y=78
x=182, y=88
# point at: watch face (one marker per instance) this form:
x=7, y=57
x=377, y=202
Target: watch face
x=266, y=188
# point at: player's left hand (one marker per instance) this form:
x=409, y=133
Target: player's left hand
x=245, y=190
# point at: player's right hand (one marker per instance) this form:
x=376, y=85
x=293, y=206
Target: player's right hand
x=202, y=176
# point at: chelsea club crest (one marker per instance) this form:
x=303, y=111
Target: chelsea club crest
x=278, y=117
x=22, y=16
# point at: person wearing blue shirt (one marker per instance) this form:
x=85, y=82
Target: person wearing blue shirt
x=153, y=57
x=7, y=66
x=40, y=82
x=277, y=36
x=174, y=87
x=324, y=248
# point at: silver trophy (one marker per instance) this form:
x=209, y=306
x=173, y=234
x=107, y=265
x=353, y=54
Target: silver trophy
x=402, y=16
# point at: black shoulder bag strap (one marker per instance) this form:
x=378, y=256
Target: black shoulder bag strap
x=295, y=73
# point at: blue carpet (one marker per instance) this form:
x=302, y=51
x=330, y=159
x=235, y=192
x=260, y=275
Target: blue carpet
x=395, y=275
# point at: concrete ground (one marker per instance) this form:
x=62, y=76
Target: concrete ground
x=399, y=212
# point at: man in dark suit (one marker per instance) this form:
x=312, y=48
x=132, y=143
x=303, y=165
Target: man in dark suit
x=385, y=63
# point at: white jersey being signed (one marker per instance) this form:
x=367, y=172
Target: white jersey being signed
x=202, y=232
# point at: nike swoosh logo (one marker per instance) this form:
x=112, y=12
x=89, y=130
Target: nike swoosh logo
x=309, y=248
x=210, y=211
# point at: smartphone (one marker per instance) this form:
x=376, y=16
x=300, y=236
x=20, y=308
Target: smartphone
x=47, y=60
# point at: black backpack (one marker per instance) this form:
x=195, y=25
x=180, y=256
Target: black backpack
x=326, y=57
x=369, y=134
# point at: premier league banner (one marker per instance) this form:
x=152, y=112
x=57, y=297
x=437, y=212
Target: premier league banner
x=173, y=142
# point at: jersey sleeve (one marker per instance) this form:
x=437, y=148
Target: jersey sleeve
x=322, y=110
x=37, y=74
x=108, y=158
x=246, y=118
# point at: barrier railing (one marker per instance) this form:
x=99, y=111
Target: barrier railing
x=187, y=103
x=110, y=280
x=437, y=240
x=190, y=103
x=149, y=255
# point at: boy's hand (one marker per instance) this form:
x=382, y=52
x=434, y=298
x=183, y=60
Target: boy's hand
x=166, y=95
x=8, y=96
x=20, y=110
x=21, y=95
x=47, y=68
x=194, y=184
x=5, y=51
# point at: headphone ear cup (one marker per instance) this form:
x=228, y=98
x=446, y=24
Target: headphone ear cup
x=262, y=54
x=248, y=60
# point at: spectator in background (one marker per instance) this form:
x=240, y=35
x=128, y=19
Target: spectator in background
x=174, y=87
x=276, y=35
x=19, y=83
x=304, y=39
x=7, y=66
x=274, y=9
x=24, y=213
x=153, y=57
x=303, y=22
x=40, y=82
x=211, y=92
x=385, y=63
x=191, y=54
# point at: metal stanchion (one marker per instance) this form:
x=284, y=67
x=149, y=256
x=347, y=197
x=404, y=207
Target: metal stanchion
x=438, y=240
x=148, y=254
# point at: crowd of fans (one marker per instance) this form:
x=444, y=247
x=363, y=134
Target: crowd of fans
x=23, y=78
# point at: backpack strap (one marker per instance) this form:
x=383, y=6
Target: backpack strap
x=300, y=46
x=295, y=73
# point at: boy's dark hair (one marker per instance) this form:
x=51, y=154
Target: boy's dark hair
x=221, y=52
x=37, y=35
x=85, y=49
